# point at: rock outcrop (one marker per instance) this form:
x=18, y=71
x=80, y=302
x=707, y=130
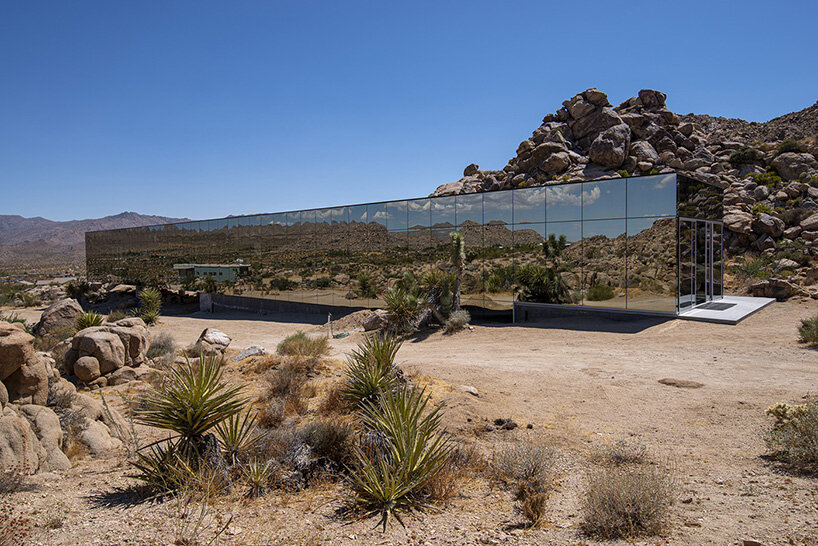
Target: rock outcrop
x=99, y=351
x=59, y=317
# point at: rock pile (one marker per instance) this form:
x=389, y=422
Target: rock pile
x=59, y=317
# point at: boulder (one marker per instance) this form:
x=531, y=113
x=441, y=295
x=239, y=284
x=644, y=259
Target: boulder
x=135, y=337
x=596, y=122
x=810, y=223
x=103, y=345
x=255, y=350
x=61, y=393
x=29, y=384
x=4, y=396
x=46, y=425
x=376, y=320
x=793, y=165
x=122, y=376
x=471, y=170
x=643, y=151
x=763, y=243
x=86, y=368
x=651, y=98
x=555, y=163
x=770, y=225
x=211, y=342
x=19, y=445
x=739, y=222
x=610, y=148
x=16, y=347
x=596, y=97
x=59, y=316
x=579, y=107
x=96, y=436
x=779, y=289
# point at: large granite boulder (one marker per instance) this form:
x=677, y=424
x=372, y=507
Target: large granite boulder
x=19, y=445
x=46, y=425
x=610, y=148
x=16, y=347
x=793, y=165
x=101, y=344
x=29, y=383
x=212, y=341
x=59, y=317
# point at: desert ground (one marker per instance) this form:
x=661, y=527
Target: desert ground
x=579, y=383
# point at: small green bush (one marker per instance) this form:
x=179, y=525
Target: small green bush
x=808, y=331
x=88, y=319
x=300, y=344
x=623, y=173
x=330, y=438
x=366, y=286
x=600, y=292
x=754, y=267
x=114, y=316
x=282, y=283
x=768, y=178
x=789, y=145
x=746, y=154
x=759, y=208
x=403, y=308
x=371, y=370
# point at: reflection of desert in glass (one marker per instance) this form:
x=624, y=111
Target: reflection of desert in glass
x=608, y=243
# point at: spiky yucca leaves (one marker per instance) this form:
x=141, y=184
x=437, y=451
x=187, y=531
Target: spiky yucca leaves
x=88, y=319
x=237, y=436
x=392, y=481
x=194, y=401
x=258, y=475
x=402, y=306
x=371, y=369
x=162, y=468
x=150, y=298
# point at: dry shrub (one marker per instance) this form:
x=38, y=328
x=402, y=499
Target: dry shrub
x=457, y=321
x=621, y=452
x=47, y=342
x=274, y=444
x=294, y=405
x=334, y=401
x=531, y=470
x=628, y=501
x=300, y=344
x=271, y=413
x=793, y=438
x=162, y=350
x=463, y=462
x=330, y=438
x=73, y=423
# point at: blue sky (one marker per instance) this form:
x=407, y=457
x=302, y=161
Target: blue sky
x=204, y=109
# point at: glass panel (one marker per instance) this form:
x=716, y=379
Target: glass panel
x=443, y=212
x=701, y=261
x=529, y=205
x=376, y=214
x=497, y=207
x=651, y=264
x=603, y=200
x=564, y=256
x=563, y=203
x=323, y=220
x=419, y=213
x=603, y=251
x=497, y=257
x=651, y=196
x=396, y=219
x=357, y=214
x=339, y=215
x=687, y=236
x=469, y=209
x=698, y=200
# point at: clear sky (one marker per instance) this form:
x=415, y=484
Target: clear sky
x=204, y=109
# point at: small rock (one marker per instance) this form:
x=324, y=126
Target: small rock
x=254, y=350
x=681, y=383
x=470, y=390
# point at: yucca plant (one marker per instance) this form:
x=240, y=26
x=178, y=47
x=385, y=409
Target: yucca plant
x=392, y=481
x=150, y=299
x=162, y=468
x=258, y=475
x=237, y=435
x=370, y=369
x=149, y=317
x=194, y=401
x=402, y=306
x=88, y=319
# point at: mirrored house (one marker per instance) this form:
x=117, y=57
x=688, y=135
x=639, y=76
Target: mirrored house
x=648, y=243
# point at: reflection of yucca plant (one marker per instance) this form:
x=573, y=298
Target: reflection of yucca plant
x=366, y=286
x=89, y=319
x=541, y=284
x=370, y=369
x=194, y=401
x=391, y=481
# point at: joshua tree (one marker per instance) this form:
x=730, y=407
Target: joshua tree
x=457, y=257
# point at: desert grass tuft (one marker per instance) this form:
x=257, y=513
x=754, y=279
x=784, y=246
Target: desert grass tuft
x=300, y=344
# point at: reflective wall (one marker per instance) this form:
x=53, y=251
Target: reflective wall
x=606, y=243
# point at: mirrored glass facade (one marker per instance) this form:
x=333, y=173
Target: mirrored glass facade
x=650, y=243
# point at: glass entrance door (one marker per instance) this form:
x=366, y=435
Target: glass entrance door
x=700, y=262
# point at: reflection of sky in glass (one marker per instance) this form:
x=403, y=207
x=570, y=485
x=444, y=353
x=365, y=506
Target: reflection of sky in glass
x=469, y=209
x=563, y=202
x=396, y=215
x=340, y=215
x=497, y=207
x=443, y=211
x=638, y=225
x=571, y=230
x=609, y=228
x=376, y=213
x=323, y=216
x=357, y=213
x=603, y=199
x=529, y=205
x=419, y=213
x=652, y=195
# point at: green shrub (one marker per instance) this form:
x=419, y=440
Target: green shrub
x=599, y=292
x=789, y=145
x=282, y=283
x=627, y=501
x=300, y=344
x=808, y=331
x=541, y=284
x=793, y=438
x=754, y=267
x=623, y=173
x=114, y=316
x=392, y=480
x=758, y=208
x=745, y=154
x=258, y=475
x=323, y=282
x=77, y=289
x=150, y=298
x=330, y=438
x=88, y=319
x=237, y=436
x=28, y=300
x=768, y=178
x=366, y=286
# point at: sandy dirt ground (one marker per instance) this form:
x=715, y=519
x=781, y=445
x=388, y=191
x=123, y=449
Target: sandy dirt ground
x=579, y=383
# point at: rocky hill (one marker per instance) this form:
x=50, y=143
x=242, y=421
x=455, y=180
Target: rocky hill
x=769, y=172
x=40, y=246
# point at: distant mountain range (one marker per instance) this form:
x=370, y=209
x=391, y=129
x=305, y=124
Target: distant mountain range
x=39, y=245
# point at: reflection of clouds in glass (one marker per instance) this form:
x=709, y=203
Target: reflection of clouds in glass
x=380, y=215
x=527, y=199
x=590, y=197
x=565, y=195
x=418, y=206
x=663, y=181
